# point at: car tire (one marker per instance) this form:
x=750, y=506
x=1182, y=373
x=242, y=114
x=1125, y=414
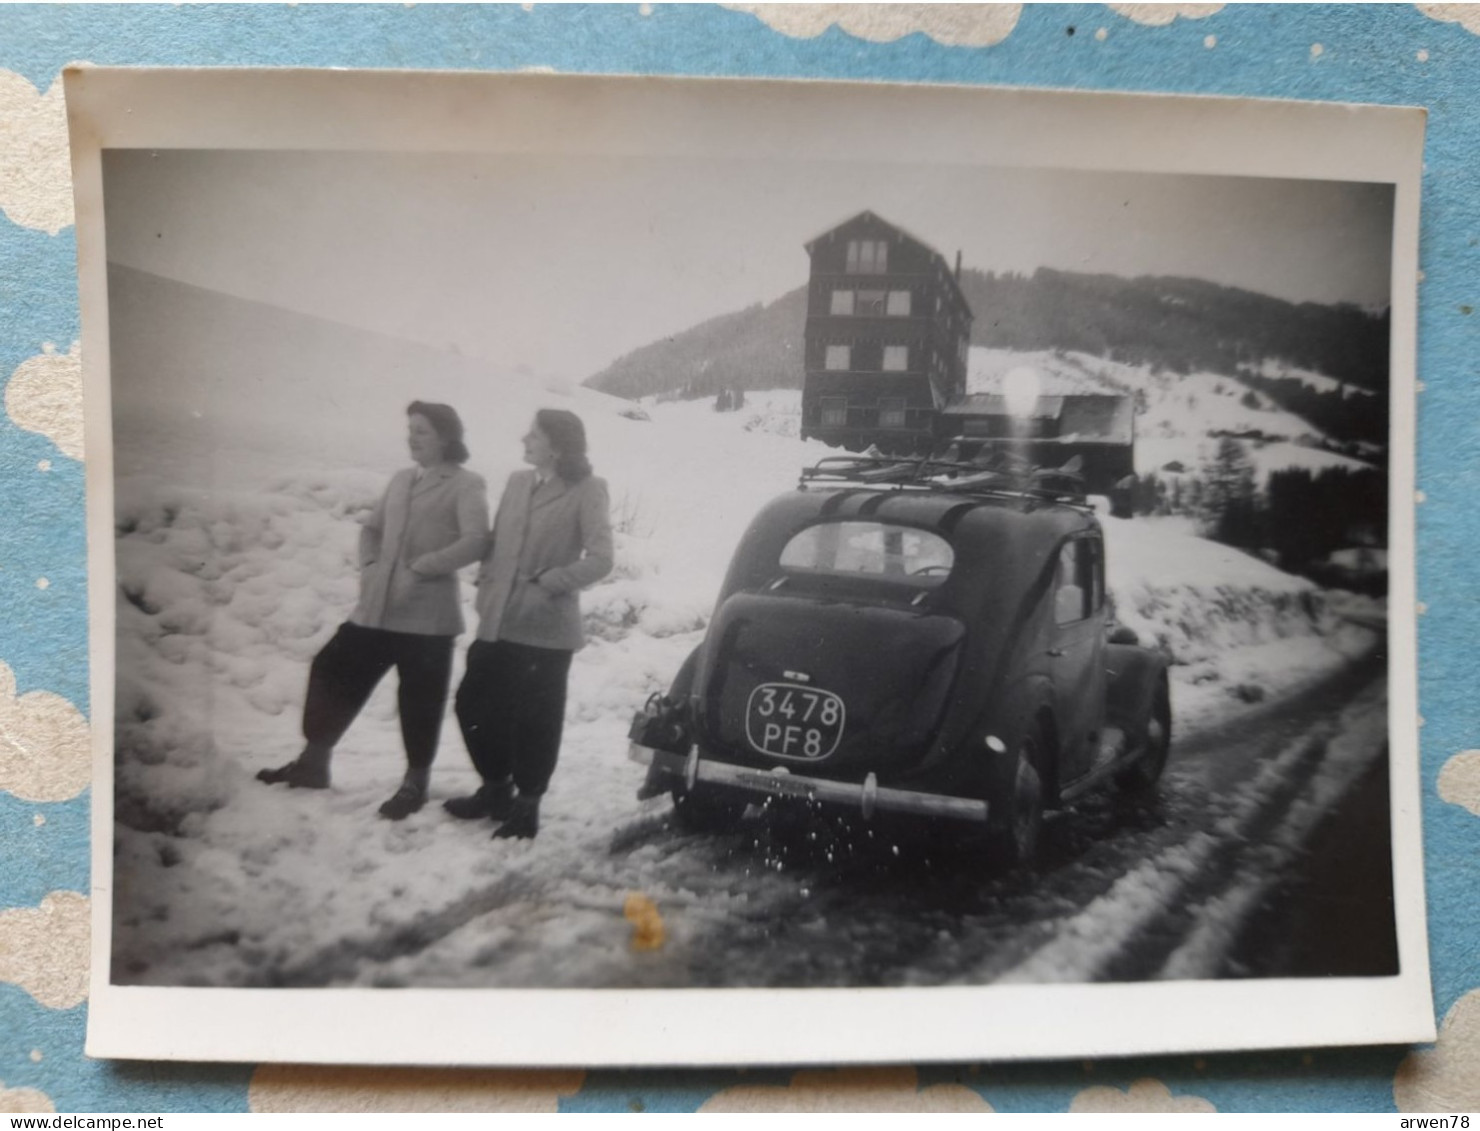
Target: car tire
x=1142, y=776
x=702, y=811
x=1015, y=843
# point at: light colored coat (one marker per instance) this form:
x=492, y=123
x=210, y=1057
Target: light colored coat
x=421, y=532
x=548, y=542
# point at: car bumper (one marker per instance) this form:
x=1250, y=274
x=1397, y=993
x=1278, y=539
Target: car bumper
x=867, y=798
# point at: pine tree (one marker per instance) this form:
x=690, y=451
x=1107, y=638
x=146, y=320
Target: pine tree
x=1229, y=503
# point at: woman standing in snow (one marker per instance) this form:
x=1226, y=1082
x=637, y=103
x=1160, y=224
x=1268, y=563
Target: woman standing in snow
x=551, y=538
x=432, y=520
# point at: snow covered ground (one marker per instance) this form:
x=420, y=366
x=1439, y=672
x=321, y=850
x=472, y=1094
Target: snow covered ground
x=235, y=565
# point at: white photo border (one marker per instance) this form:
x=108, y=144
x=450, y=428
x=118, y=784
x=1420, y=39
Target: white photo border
x=464, y=112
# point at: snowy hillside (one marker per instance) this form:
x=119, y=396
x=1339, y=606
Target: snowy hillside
x=1180, y=412
x=227, y=591
x=1320, y=382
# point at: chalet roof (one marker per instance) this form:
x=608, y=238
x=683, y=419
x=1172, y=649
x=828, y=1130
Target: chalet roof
x=870, y=219
x=995, y=404
x=1089, y=418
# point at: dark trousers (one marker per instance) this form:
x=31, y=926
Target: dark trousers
x=346, y=670
x=511, y=705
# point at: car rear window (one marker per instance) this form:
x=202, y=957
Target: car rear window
x=871, y=549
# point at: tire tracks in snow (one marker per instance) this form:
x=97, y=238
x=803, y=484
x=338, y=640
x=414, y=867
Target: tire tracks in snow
x=1224, y=915
x=1176, y=914
x=341, y=960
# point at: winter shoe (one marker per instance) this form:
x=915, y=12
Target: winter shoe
x=310, y=770
x=277, y=774
x=495, y=801
x=405, y=801
x=410, y=797
x=523, y=821
x=471, y=807
x=306, y=775
x=297, y=775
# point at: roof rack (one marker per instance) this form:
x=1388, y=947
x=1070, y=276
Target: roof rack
x=998, y=476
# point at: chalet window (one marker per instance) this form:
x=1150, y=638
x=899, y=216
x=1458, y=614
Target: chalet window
x=834, y=412
x=891, y=412
x=896, y=359
x=871, y=303
x=842, y=302
x=899, y=304
x=868, y=257
x=838, y=357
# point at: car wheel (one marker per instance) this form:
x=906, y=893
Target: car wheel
x=1146, y=772
x=1015, y=842
x=701, y=811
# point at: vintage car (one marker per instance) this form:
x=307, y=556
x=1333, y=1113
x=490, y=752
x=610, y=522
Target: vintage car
x=921, y=637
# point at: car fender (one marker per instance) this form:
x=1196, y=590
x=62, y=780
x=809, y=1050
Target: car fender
x=1133, y=675
x=666, y=722
x=682, y=686
x=1007, y=718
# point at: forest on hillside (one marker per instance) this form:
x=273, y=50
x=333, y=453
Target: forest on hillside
x=1179, y=325
x=759, y=347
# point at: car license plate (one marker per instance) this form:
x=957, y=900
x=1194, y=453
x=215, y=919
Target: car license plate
x=788, y=720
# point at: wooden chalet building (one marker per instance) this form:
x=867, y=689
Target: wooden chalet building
x=1052, y=430
x=886, y=338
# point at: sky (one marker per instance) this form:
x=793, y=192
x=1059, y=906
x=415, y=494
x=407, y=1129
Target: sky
x=555, y=265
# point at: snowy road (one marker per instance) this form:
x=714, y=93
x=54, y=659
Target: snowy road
x=1126, y=892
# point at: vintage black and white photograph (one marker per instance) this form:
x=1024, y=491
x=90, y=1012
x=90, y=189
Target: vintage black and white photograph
x=593, y=566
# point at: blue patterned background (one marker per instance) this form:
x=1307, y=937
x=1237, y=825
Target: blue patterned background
x=1382, y=53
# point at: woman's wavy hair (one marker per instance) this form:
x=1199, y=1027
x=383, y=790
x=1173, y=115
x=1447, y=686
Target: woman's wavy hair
x=447, y=424
x=567, y=435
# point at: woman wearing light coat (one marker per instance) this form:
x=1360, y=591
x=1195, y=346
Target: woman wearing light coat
x=432, y=520
x=552, y=537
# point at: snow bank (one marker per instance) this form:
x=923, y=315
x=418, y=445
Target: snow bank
x=221, y=596
x=1199, y=599
x=1237, y=629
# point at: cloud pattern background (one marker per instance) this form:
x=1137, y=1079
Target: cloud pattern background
x=1426, y=54
x=1446, y=1077
x=300, y=1088
x=44, y=752
x=954, y=25
x=849, y=1090
x=35, y=180
x=44, y=395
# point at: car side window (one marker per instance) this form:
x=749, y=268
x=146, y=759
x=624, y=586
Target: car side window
x=1074, y=585
x=1097, y=574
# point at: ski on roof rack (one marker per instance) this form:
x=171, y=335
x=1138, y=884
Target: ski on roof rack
x=1000, y=477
